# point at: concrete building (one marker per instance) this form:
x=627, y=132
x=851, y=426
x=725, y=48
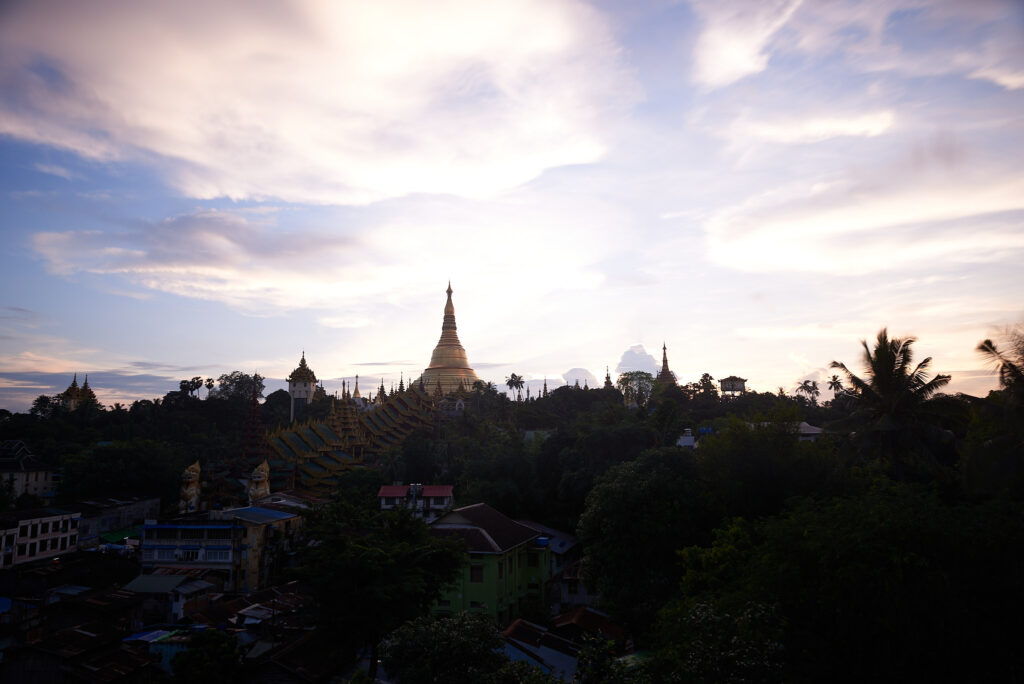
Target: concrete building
x=110, y=520
x=428, y=502
x=509, y=565
x=23, y=472
x=241, y=548
x=37, y=534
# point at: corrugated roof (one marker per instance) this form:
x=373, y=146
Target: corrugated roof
x=155, y=584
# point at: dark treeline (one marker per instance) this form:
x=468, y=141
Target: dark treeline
x=890, y=548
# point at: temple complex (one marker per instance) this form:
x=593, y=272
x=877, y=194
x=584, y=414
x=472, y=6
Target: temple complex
x=310, y=455
x=449, y=368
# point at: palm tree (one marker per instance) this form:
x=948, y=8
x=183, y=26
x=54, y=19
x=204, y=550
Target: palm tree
x=809, y=388
x=890, y=404
x=835, y=384
x=1010, y=364
x=515, y=382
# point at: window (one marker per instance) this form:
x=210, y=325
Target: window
x=165, y=554
x=191, y=534
x=21, y=549
x=74, y=523
x=63, y=543
x=220, y=533
x=218, y=555
x=34, y=531
x=73, y=539
x=44, y=528
x=476, y=573
x=32, y=549
x=23, y=532
x=148, y=554
x=191, y=555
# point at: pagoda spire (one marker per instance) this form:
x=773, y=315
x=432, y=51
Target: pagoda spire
x=607, y=378
x=448, y=363
x=355, y=392
x=545, y=387
x=665, y=376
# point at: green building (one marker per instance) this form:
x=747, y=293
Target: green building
x=508, y=569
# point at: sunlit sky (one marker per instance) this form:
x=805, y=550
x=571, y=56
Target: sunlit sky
x=191, y=188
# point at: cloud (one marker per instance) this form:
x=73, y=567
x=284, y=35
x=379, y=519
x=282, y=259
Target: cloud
x=581, y=375
x=978, y=40
x=317, y=101
x=54, y=170
x=812, y=129
x=735, y=36
x=917, y=212
x=636, y=358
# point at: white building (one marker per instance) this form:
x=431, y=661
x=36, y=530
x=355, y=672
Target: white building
x=37, y=534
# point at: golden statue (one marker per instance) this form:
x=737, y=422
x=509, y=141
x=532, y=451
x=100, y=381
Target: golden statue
x=189, y=502
x=259, y=483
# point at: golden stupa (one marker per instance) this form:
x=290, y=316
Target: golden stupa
x=449, y=366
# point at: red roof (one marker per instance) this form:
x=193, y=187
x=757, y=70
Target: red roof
x=403, y=490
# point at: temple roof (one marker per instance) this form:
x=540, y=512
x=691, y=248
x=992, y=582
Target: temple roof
x=303, y=373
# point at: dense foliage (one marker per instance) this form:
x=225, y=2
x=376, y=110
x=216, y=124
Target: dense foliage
x=889, y=548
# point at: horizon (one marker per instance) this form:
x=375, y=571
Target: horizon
x=191, y=190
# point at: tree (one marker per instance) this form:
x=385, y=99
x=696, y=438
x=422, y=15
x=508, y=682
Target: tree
x=891, y=417
x=630, y=557
x=1009, y=361
x=372, y=570
x=212, y=657
x=515, y=382
x=238, y=386
x=190, y=387
x=636, y=386
x=809, y=388
x=462, y=649
x=835, y=384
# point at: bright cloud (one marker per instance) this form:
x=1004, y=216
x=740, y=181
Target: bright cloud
x=322, y=102
x=735, y=38
x=813, y=129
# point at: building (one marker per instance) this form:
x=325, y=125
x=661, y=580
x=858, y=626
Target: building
x=733, y=386
x=428, y=502
x=449, y=370
x=310, y=456
x=24, y=472
x=665, y=378
x=239, y=549
x=111, y=520
x=509, y=565
x=37, y=534
x=301, y=387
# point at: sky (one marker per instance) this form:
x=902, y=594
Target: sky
x=193, y=188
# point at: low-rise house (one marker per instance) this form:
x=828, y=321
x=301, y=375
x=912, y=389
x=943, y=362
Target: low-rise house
x=509, y=565
x=243, y=547
x=428, y=502
x=37, y=534
x=24, y=472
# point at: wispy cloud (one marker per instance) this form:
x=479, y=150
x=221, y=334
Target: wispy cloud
x=54, y=170
x=317, y=101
